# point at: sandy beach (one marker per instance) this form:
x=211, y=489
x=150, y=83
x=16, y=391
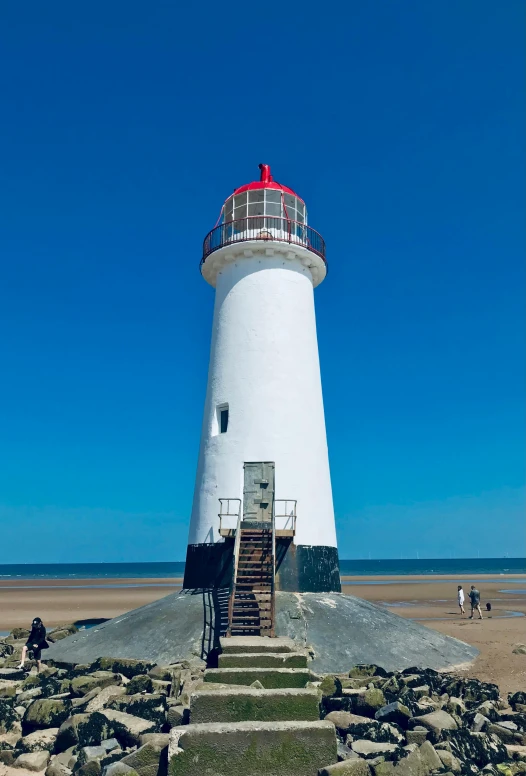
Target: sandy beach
x=429, y=599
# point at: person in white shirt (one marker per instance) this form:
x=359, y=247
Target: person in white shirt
x=460, y=594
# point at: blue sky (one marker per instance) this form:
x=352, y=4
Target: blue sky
x=124, y=127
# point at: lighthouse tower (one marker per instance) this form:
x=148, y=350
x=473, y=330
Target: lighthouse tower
x=263, y=459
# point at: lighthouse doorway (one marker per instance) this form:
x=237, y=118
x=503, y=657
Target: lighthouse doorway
x=258, y=492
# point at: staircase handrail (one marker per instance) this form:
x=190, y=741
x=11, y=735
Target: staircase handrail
x=292, y=514
x=228, y=513
x=273, y=579
x=234, y=575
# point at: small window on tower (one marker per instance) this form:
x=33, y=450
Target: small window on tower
x=222, y=418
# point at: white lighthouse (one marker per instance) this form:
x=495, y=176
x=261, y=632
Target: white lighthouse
x=263, y=456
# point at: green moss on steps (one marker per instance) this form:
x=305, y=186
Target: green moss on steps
x=239, y=705
x=270, y=678
x=263, y=660
x=252, y=749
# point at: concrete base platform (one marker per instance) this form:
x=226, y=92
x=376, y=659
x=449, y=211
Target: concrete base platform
x=252, y=748
x=342, y=631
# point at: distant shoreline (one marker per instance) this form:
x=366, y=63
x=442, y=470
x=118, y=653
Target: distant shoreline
x=356, y=570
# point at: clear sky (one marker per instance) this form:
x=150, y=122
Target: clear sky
x=124, y=125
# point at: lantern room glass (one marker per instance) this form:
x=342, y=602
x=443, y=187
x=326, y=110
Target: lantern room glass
x=264, y=202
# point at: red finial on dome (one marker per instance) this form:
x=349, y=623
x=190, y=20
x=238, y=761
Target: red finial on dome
x=265, y=176
x=266, y=181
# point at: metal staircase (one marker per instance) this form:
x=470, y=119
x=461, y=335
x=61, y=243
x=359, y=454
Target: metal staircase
x=251, y=603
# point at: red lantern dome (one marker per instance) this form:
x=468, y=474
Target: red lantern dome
x=266, y=181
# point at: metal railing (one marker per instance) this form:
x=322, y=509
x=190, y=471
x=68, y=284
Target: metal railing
x=234, y=574
x=224, y=503
x=269, y=228
x=288, y=513
x=273, y=581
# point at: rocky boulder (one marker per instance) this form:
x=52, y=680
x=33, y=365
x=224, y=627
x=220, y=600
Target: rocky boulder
x=456, y=706
x=81, y=685
x=372, y=749
x=39, y=741
x=62, y=632
x=475, y=722
x=177, y=714
x=364, y=670
x=104, y=697
x=368, y=703
x=508, y=732
x=472, y=691
x=57, y=768
x=147, y=706
x=125, y=666
x=19, y=633
x=477, y=748
x=164, y=673
x=12, y=674
x=29, y=695
x=436, y=722
x=76, y=729
x=139, y=683
x=125, y=727
x=149, y=759
x=44, y=713
x=449, y=761
x=395, y=713
x=517, y=698
x=36, y=761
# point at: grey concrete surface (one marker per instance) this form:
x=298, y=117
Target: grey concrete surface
x=342, y=630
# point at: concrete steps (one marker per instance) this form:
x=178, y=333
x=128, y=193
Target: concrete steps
x=258, y=644
x=245, y=704
x=263, y=660
x=240, y=730
x=270, y=678
x=298, y=748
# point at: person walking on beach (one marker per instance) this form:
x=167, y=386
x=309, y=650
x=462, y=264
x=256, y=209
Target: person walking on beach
x=460, y=594
x=474, y=597
x=36, y=642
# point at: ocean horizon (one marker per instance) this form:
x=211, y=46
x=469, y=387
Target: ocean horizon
x=398, y=567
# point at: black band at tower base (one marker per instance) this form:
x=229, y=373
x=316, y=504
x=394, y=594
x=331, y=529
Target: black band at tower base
x=299, y=568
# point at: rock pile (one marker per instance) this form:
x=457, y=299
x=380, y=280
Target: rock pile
x=113, y=717
x=418, y=722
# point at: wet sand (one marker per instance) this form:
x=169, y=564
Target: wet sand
x=432, y=601
x=59, y=601
x=429, y=599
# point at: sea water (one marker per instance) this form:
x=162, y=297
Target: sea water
x=467, y=566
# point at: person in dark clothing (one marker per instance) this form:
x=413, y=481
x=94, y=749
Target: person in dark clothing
x=36, y=642
x=474, y=597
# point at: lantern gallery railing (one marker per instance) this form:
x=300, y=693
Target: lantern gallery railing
x=264, y=228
